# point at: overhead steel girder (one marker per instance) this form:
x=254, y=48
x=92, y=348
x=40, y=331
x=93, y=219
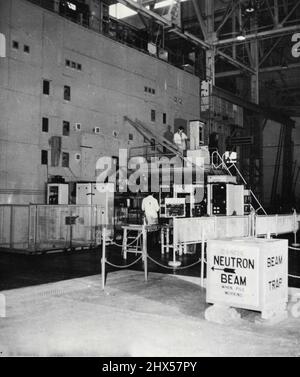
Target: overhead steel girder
x=163, y=21
x=272, y=114
x=200, y=18
x=263, y=34
x=261, y=70
x=268, y=53
x=236, y=62
x=186, y=35
x=275, y=20
x=228, y=14
x=290, y=13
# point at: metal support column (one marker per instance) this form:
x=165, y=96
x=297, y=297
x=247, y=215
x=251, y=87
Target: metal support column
x=254, y=48
x=287, y=183
x=210, y=53
x=255, y=77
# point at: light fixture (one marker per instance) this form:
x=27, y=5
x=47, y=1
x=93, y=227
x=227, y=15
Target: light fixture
x=250, y=8
x=241, y=36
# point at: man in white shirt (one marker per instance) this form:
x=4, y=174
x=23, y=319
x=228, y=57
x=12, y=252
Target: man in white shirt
x=180, y=139
x=150, y=207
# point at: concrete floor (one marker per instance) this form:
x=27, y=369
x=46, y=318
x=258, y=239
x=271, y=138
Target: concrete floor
x=55, y=306
x=163, y=317
x=17, y=270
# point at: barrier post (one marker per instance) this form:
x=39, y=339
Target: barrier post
x=295, y=244
x=174, y=263
x=29, y=227
x=11, y=231
x=162, y=241
x=202, y=258
x=36, y=223
x=249, y=225
x=145, y=252
x=253, y=223
x=103, y=260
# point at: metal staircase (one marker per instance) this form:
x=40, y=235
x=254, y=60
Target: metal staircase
x=163, y=147
x=219, y=163
x=161, y=144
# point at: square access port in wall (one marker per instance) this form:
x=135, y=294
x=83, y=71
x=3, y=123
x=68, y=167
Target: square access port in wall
x=77, y=127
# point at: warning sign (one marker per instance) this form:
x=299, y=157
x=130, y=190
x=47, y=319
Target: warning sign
x=247, y=273
x=232, y=274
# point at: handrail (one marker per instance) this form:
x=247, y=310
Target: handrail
x=148, y=151
x=160, y=140
x=224, y=166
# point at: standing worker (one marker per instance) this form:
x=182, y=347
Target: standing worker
x=150, y=207
x=180, y=139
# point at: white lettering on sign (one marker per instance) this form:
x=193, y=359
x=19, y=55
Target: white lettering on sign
x=274, y=261
x=71, y=6
x=296, y=46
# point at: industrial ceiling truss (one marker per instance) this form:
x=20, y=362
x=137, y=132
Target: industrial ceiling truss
x=231, y=38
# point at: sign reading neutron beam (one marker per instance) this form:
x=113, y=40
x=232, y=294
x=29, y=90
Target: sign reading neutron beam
x=248, y=273
x=232, y=274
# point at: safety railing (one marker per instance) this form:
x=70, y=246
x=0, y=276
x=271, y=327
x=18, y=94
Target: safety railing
x=41, y=228
x=149, y=151
x=276, y=224
x=144, y=230
x=14, y=226
x=106, y=242
x=121, y=33
x=218, y=162
x=190, y=230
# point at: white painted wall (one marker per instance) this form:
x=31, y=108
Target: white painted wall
x=109, y=87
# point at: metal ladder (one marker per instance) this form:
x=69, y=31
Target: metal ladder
x=217, y=162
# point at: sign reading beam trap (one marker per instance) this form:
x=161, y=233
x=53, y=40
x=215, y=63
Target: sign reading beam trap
x=248, y=273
